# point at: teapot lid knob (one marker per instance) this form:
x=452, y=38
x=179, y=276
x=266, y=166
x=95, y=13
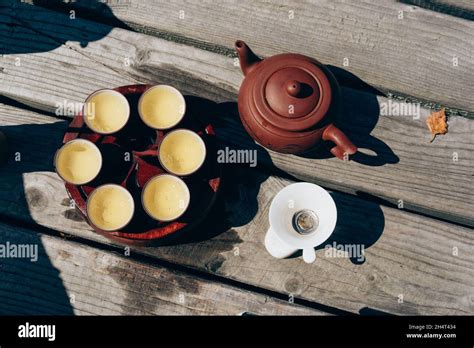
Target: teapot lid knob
x=293, y=88
x=292, y=92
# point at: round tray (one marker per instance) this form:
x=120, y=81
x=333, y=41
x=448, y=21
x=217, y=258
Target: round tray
x=130, y=160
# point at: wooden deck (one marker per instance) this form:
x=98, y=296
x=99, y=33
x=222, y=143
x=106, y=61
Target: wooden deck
x=408, y=201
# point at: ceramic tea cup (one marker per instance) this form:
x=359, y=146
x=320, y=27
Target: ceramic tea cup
x=165, y=197
x=302, y=216
x=161, y=107
x=182, y=152
x=78, y=162
x=106, y=111
x=110, y=207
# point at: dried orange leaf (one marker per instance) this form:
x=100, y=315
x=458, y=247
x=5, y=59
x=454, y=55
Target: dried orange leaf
x=437, y=123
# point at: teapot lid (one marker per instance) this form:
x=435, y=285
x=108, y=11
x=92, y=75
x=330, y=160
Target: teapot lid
x=292, y=92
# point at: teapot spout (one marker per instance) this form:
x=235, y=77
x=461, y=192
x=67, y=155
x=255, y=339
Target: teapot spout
x=248, y=59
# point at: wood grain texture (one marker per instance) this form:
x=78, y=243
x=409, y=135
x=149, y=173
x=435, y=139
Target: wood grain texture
x=413, y=55
x=70, y=278
x=397, y=161
x=428, y=262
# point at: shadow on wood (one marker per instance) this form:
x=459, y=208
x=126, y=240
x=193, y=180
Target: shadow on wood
x=27, y=293
x=49, y=39
x=358, y=117
x=38, y=288
x=360, y=223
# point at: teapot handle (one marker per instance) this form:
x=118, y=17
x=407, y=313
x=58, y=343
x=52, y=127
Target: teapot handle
x=343, y=144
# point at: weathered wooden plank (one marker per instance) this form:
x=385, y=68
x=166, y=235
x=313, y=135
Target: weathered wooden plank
x=399, y=162
x=428, y=262
x=71, y=278
x=413, y=54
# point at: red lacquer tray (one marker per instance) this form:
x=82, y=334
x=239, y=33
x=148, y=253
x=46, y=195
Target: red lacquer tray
x=130, y=159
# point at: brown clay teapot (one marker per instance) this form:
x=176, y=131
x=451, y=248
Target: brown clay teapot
x=289, y=102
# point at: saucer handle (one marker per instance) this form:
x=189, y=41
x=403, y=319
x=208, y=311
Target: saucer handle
x=276, y=247
x=309, y=255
